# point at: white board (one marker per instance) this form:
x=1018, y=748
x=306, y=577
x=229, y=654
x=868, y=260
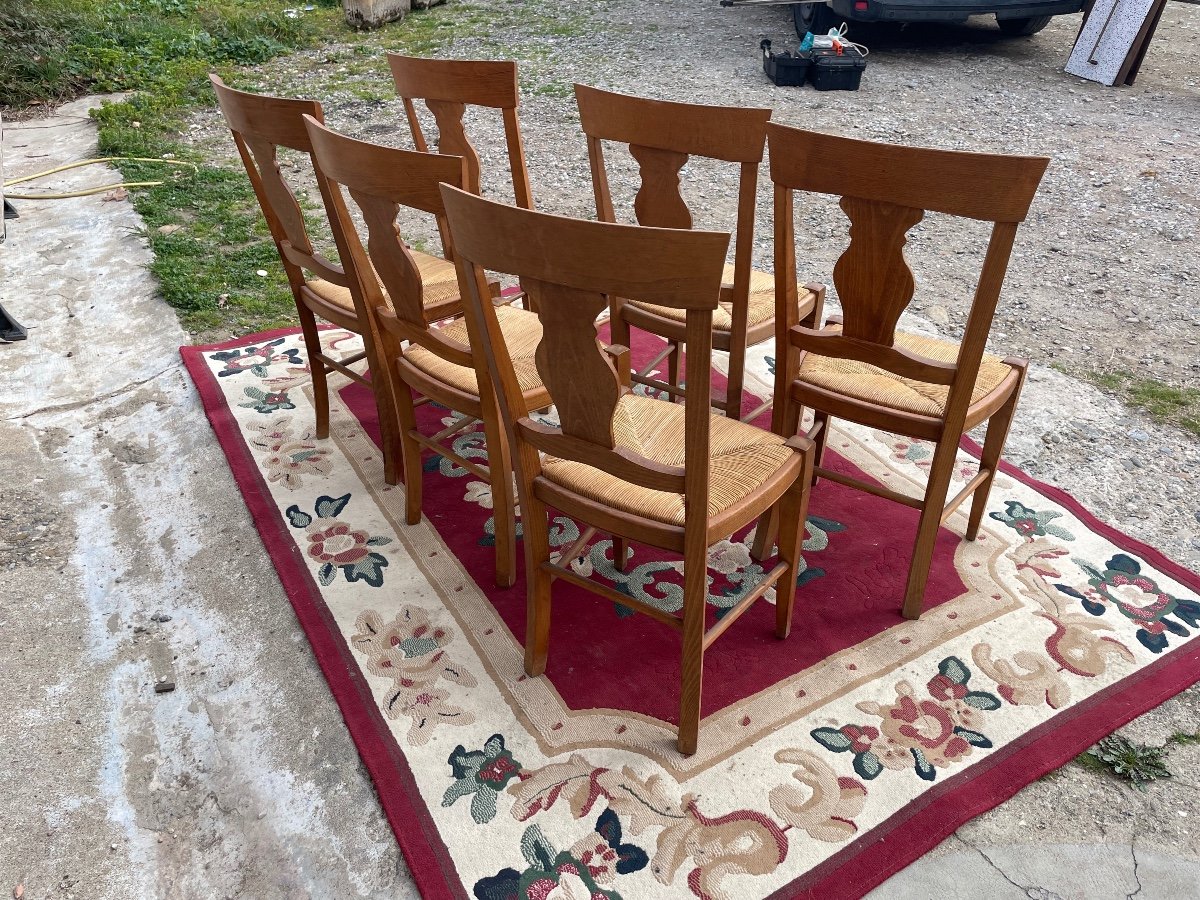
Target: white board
x=1107, y=38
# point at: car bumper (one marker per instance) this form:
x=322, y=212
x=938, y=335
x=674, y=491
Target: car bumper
x=950, y=10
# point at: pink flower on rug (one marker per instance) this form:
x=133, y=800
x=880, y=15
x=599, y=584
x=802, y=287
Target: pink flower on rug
x=338, y=544
x=928, y=734
x=335, y=545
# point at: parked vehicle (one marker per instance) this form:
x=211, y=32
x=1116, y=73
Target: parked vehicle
x=1015, y=17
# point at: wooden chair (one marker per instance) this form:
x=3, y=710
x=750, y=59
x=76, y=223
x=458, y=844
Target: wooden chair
x=859, y=367
x=437, y=362
x=448, y=87
x=675, y=477
x=661, y=137
x=260, y=125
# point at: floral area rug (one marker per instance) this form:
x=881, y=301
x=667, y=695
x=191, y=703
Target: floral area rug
x=827, y=761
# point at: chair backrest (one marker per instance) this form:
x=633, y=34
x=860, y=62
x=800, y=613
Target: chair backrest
x=379, y=181
x=885, y=190
x=662, y=136
x=260, y=125
x=568, y=266
x=448, y=86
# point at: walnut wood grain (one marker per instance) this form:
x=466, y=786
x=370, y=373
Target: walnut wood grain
x=872, y=276
x=658, y=201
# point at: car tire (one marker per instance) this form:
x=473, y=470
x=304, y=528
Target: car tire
x=1023, y=27
x=815, y=17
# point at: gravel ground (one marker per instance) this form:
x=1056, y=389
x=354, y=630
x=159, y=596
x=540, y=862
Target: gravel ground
x=1102, y=278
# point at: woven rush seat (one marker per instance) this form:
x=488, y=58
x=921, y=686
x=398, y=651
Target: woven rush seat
x=742, y=458
x=761, y=305
x=874, y=385
x=522, y=333
x=438, y=278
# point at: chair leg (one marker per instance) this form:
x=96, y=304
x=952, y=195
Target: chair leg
x=536, y=538
x=620, y=552
x=824, y=420
x=673, y=371
x=410, y=452
x=389, y=428
x=500, y=474
x=734, y=381
x=764, y=535
x=927, y=528
x=793, y=512
x=695, y=598
x=993, y=444
x=768, y=524
x=312, y=347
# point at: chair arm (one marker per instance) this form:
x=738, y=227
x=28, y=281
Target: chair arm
x=818, y=311
x=801, y=443
x=620, y=360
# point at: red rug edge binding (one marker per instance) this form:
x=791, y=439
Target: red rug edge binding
x=851, y=872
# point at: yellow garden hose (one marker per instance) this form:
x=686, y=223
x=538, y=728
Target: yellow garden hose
x=87, y=192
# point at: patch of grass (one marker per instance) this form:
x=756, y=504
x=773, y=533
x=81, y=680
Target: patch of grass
x=1164, y=402
x=1111, y=381
x=58, y=48
x=559, y=87
x=206, y=230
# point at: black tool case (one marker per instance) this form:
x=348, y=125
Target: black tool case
x=785, y=69
x=833, y=71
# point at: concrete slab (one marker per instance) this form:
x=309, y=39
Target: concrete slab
x=1045, y=872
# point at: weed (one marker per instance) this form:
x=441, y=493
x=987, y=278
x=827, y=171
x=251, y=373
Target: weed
x=1136, y=763
x=58, y=48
